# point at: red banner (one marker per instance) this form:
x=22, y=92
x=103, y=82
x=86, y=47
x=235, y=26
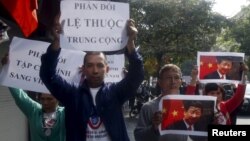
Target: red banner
x=207, y=65
x=24, y=13
x=172, y=110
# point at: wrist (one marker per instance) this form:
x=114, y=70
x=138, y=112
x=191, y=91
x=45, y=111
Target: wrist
x=55, y=45
x=130, y=46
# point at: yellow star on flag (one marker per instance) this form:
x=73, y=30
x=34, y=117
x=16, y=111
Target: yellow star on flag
x=175, y=113
x=210, y=65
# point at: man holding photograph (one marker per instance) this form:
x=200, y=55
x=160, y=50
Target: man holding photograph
x=169, y=81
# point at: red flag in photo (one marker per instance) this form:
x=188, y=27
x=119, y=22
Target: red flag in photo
x=172, y=111
x=208, y=64
x=24, y=13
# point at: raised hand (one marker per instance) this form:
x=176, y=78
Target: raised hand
x=5, y=59
x=56, y=30
x=245, y=70
x=157, y=119
x=132, y=32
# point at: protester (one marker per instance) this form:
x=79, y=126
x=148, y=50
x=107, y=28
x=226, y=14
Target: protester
x=224, y=108
x=169, y=80
x=93, y=111
x=46, y=120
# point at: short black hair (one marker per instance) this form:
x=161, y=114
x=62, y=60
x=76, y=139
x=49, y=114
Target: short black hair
x=221, y=58
x=213, y=87
x=193, y=103
x=94, y=53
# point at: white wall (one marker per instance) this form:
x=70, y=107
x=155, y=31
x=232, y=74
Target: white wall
x=13, y=124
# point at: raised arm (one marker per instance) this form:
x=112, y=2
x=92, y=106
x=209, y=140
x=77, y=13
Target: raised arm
x=128, y=86
x=192, y=85
x=132, y=32
x=57, y=86
x=238, y=96
x=22, y=100
x=55, y=31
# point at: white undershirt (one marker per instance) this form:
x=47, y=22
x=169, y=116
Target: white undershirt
x=96, y=130
x=93, y=92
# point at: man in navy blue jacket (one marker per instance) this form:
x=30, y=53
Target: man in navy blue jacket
x=93, y=111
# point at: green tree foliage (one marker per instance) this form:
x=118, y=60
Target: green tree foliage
x=174, y=30
x=226, y=42
x=241, y=30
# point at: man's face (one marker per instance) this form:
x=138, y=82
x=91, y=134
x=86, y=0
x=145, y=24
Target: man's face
x=95, y=69
x=170, y=81
x=225, y=66
x=192, y=115
x=48, y=102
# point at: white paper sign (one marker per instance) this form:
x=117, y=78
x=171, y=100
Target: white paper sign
x=95, y=25
x=24, y=65
x=116, y=65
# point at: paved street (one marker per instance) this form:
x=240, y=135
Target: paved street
x=130, y=123
x=243, y=120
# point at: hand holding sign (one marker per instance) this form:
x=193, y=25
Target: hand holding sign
x=244, y=69
x=132, y=32
x=5, y=59
x=56, y=30
x=157, y=119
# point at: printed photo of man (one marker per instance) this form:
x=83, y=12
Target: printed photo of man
x=193, y=111
x=224, y=66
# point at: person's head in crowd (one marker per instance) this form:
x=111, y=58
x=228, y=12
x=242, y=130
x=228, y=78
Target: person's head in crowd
x=213, y=89
x=224, y=64
x=95, y=68
x=192, y=111
x=170, y=79
x=49, y=102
